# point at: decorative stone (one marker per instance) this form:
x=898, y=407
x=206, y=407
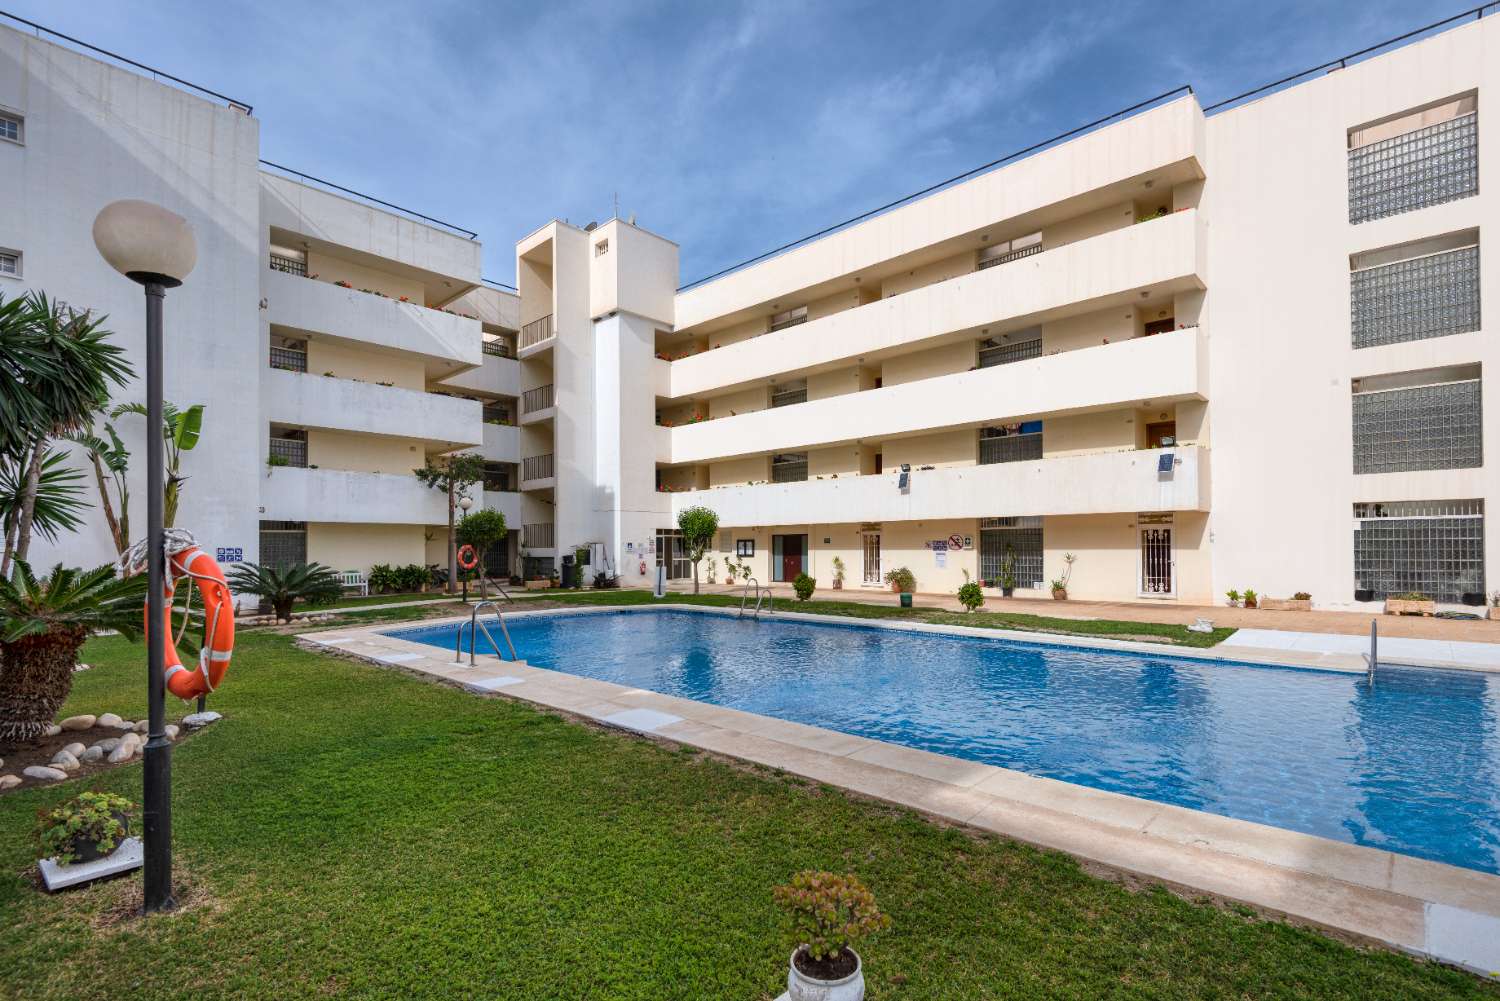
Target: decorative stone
x=114, y=721
x=143, y=726
x=122, y=753
x=52, y=731
x=9, y=781
x=194, y=720
x=172, y=731
x=107, y=744
x=91, y=754
x=75, y=748
x=83, y=722
x=80, y=667
x=65, y=761
x=42, y=773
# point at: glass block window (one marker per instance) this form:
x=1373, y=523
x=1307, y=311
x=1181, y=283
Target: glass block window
x=1429, y=296
x=1435, y=548
x=790, y=467
x=1016, y=347
x=1426, y=166
x=283, y=543
x=1423, y=427
x=1011, y=443
x=1020, y=539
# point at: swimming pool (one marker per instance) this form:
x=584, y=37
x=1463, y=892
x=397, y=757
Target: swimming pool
x=1412, y=766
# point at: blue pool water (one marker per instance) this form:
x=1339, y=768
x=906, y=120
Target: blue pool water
x=1412, y=766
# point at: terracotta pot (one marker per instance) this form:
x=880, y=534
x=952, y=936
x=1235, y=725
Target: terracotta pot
x=1060, y=593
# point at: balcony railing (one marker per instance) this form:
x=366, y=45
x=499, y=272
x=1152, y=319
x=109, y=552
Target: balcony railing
x=289, y=452
x=536, y=332
x=537, y=467
x=789, y=395
x=1012, y=255
x=536, y=399
x=538, y=536
x=791, y=468
x=290, y=265
x=288, y=359
x=500, y=347
x=1010, y=448
x=496, y=413
x=999, y=353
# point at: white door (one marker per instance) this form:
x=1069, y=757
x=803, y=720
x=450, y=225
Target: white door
x=1158, y=577
x=872, y=559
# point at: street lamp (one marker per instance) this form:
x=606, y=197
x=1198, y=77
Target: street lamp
x=464, y=503
x=155, y=248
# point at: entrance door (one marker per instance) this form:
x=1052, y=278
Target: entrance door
x=1158, y=577
x=1161, y=434
x=788, y=556
x=872, y=559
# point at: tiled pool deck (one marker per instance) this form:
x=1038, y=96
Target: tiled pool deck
x=1424, y=907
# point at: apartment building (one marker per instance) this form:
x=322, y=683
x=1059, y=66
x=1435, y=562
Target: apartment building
x=1188, y=351
x=337, y=343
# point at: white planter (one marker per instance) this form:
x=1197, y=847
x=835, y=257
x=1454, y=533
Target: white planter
x=800, y=987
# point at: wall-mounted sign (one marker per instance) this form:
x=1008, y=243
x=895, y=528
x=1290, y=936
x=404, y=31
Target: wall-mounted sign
x=941, y=558
x=630, y=547
x=955, y=542
x=230, y=554
x=938, y=545
x=744, y=547
x=968, y=542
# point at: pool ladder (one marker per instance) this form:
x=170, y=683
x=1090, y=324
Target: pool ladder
x=1370, y=658
x=761, y=593
x=475, y=627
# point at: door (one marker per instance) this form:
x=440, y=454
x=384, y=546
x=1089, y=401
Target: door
x=788, y=556
x=872, y=559
x=1161, y=434
x=1158, y=571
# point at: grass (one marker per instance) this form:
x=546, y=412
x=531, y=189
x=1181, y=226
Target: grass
x=359, y=601
x=350, y=831
x=1151, y=632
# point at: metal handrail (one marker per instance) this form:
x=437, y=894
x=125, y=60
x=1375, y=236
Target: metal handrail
x=475, y=628
x=760, y=593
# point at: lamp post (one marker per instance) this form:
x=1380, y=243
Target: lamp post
x=465, y=502
x=154, y=248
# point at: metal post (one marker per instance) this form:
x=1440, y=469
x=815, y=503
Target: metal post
x=1372, y=653
x=158, y=765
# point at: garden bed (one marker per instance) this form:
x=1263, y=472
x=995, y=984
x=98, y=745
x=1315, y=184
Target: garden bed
x=19, y=757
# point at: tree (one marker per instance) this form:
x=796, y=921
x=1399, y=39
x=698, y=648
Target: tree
x=110, y=454
x=180, y=429
x=42, y=625
x=452, y=474
x=57, y=500
x=56, y=367
x=698, y=526
x=313, y=583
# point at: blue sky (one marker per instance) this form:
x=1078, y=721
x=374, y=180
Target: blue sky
x=728, y=127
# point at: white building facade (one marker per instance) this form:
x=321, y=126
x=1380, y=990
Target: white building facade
x=1180, y=354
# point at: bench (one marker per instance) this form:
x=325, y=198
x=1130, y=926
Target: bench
x=356, y=580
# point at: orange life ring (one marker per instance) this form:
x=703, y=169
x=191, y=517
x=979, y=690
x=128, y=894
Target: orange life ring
x=218, y=624
x=467, y=557
x=643, y=568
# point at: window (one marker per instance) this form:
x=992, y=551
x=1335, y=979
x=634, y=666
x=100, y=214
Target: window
x=1010, y=443
x=601, y=248
x=1433, y=547
x=789, y=393
x=12, y=127
x=1013, y=347
x=499, y=476
x=1415, y=159
x=1413, y=421
x=744, y=548
x=10, y=263
x=1018, y=540
x=1415, y=291
x=789, y=318
x=283, y=543
x=790, y=467
x=1009, y=250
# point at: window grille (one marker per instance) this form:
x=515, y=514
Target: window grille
x=283, y=543
x=293, y=450
x=291, y=265
x=1423, y=427
x=789, y=468
x=997, y=352
x=1426, y=166
x=288, y=359
x=1000, y=445
x=537, y=536
x=1435, y=548
x=1021, y=539
x=1430, y=296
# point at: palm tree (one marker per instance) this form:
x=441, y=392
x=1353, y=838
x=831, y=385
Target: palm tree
x=180, y=429
x=109, y=453
x=57, y=500
x=314, y=583
x=42, y=625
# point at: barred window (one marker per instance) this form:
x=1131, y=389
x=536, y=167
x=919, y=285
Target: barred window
x=1017, y=540
x=1427, y=165
x=1432, y=295
x=1435, y=548
x=283, y=543
x=288, y=452
x=1420, y=427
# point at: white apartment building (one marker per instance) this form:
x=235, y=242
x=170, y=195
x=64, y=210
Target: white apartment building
x=1190, y=351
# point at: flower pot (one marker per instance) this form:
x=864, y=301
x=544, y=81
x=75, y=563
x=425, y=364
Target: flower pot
x=1403, y=606
x=1006, y=592
x=1473, y=599
x=85, y=849
x=838, y=585
x=1364, y=594
x=1494, y=613
x=801, y=987
x=1286, y=604
x=905, y=599
x=1060, y=593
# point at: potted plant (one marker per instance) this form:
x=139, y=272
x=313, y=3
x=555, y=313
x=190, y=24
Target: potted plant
x=838, y=573
x=903, y=582
x=1299, y=602
x=731, y=570
x=970, y=595
x=1008, y=573
x=86, y=828
x=713, y=570
x=827, y=913
x=1410, y=603
x=1251, y=599
x=1233, y=597
x=1060, y=589
x=1494, y=609
x=804, y=586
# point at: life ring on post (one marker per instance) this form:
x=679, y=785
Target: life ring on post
x=186, y=560
x=643, y=568
x=467, y=557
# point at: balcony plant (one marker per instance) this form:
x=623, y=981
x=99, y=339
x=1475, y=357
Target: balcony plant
x=804, y=586
x=1299, y=602
x=1233, y=597
x=88, y=827
x=838, y=573
x=903, y=582
x=1251, y=599
x=828, y=913
x=1410, y=603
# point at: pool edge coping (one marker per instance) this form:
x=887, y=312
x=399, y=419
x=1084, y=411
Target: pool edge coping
x=1397, y=900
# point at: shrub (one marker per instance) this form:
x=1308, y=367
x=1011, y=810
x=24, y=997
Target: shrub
x=1250, y=598
x=284, y=586
x=101, y=819
x=382, y=578
x=804, y=586
x=411, y=577
x=1233, y=595
x=828, y=911
x=1412, y=596
x=838, y=570
x=1302, y=596
x=902, y=579
x=970, y=596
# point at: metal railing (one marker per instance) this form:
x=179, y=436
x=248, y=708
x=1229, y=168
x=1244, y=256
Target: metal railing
x=537, y=536
x=496, y=413
x=1005, y=354
x=789, y=397
x=1010, y=448
x=290, y=265
x=537, y=467
x=761, y=594
x=293, y=450
x=288, y=359
x=789, y=470
x=1014, y=255
x=475, y=628
x=536, y=399
x=371, y=199
x=536, y=332
x=500, y=347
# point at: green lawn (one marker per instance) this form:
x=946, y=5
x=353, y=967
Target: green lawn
x=350, y=831
x=359, y=601
x=1151, y=632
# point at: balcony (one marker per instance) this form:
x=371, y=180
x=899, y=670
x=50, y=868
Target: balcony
x=1164, y=255
x=537, y=405
x=537, y=537
x=502, y=442
x=1105, y=483
x=336, y=495
x=1165, y=368
x=320, y=307
x=536, y=337
x=538, y=472
x=508, y=503
x=316, y=401
x=498, y=375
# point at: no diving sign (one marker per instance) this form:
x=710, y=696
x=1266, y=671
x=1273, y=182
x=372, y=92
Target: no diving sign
x=955, y=542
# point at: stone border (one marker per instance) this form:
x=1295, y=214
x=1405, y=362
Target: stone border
x=1426, y=908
